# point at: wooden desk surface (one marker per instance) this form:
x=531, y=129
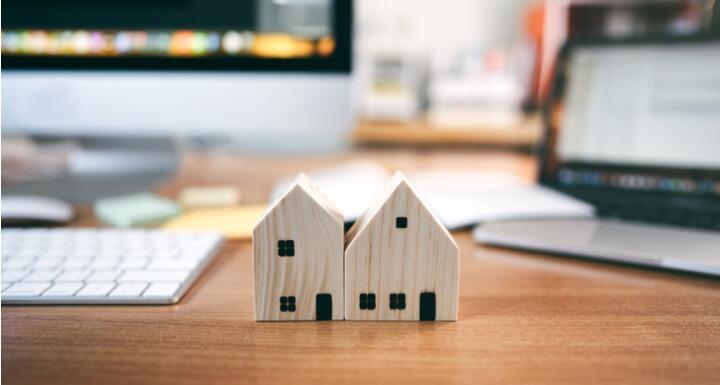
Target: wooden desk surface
x=524, y=318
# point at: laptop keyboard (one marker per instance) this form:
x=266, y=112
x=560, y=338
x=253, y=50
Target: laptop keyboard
x=704, y=218
x=102, y=266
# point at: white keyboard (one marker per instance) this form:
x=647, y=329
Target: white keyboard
x=102, y=266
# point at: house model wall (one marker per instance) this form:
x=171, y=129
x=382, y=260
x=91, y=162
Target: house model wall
x=400, y=261
x=298, y=257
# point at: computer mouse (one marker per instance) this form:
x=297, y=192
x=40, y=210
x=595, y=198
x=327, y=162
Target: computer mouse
x=34, y=210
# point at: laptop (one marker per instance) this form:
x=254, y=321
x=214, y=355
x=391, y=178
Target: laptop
x=633, y=128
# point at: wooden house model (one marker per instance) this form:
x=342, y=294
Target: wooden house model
x=298, y=257
x=400, y=261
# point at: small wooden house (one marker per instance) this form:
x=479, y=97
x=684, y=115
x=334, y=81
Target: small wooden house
x=401, y=263
x=298, y=257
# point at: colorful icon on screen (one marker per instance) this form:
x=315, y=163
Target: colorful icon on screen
x=176, y=43
x=232, y=42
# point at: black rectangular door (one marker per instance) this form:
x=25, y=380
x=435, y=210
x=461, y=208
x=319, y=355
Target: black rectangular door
x=427, y=306
x=323, y=307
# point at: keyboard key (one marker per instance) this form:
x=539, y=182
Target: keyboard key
x=104, y=263
x=103, y=276
x=95, y=290
x=84, y=253
x=165, y=254
x=63, y=289
x=128, y=290
x=75, y=263
x=17, y=262
x=100, y=265
x=173, y=264
x=12, y=275
x=26, y=289
x=137, y=254
x=129, y=264
x=47, y=263
x=193, y=254
x=73, y=275
x=154, y=276
x=161, y=290
x=42, y=275
x=110, y=254
x=53, y=253
x=28, y=252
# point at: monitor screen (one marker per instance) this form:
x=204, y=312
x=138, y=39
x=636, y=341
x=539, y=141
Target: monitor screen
x=639, y=117
x=261, y=35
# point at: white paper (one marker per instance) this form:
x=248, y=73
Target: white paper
x=458, y=198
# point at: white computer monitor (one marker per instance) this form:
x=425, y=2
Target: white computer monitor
x=273, y=73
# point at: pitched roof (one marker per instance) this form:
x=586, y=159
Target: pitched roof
x=303, y=183
x=395, y=181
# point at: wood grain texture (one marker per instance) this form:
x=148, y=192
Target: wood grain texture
x=384, y=260
x=524, y=318
x=304, y=217
x=421, y=132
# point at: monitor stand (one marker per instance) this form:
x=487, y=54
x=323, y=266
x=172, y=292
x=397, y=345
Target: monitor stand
x=105, y=167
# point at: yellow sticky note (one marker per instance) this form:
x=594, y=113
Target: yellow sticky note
x=235, y=222
x=209, y=196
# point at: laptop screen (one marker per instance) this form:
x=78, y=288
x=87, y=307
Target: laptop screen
x=636, y=117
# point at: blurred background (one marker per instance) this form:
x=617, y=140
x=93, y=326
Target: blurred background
x=598, y=111
x=475, y=71
x=101, y=98
x=460, y=72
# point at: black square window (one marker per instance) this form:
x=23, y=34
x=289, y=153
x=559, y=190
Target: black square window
x=397, y=301
x=401, y=222
x=367, y=301
x=286, y=248
x=287, y=304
